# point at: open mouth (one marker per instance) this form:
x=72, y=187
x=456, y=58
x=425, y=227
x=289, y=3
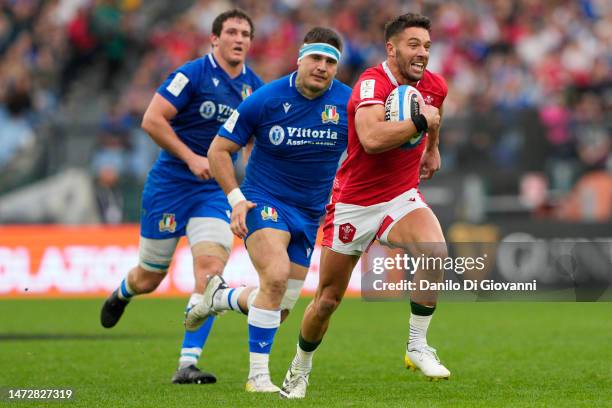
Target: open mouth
x=418, y=66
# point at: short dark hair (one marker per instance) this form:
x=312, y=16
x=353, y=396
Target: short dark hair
x=217, y=26
x=323, y=35
x=400, y=23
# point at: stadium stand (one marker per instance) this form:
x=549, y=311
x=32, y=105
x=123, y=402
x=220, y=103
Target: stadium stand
x=530, y=86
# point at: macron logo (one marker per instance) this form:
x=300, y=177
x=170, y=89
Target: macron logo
x=216, y=82
x=286, y=106
x=263, y=344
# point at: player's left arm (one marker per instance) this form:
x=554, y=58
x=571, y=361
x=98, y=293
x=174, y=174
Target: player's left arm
x=247, y=150
x=431, y=161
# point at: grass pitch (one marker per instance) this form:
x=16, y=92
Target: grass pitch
x=500, y=354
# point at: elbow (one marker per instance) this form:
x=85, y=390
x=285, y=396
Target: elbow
x=147, y=124
x=215, y=151
x=371, y=146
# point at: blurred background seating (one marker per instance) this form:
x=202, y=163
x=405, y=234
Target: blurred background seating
x=527, y=122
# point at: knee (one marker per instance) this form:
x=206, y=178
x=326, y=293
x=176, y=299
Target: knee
x=208, y=265
x=436, y=250
x=326, y=305
x=275, y=286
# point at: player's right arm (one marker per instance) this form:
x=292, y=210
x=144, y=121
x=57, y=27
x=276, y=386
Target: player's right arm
x=222, y=166
x=377, y=135
x=156, y=122
x=235, y=133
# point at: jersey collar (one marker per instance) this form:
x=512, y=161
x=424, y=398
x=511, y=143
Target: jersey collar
x=389, y=73
x=213, y=62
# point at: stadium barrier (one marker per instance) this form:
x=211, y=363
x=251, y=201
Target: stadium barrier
x=65, y=261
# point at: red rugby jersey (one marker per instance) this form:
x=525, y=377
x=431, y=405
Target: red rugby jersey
x=367, y=179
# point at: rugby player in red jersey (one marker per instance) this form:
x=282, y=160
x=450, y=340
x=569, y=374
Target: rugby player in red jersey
x=376, y=196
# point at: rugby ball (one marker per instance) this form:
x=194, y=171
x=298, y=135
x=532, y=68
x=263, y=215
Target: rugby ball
x=404, y=103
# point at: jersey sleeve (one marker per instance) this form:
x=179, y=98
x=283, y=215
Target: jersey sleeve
x=443, y=88
x=242, y=123
x=368, y=91
x=178, y=87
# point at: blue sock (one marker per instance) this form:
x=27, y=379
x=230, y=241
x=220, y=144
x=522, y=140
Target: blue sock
x=263, y=325
x=193, y=341
x=124, y=291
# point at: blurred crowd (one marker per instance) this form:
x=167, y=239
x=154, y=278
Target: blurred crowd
x=511, y=65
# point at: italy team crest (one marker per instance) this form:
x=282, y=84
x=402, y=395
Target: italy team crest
x=167, y=223
x=330, y=114
x=269, y=213
x=246, y=91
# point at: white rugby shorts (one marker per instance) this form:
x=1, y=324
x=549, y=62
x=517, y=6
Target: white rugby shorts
x=350, y=229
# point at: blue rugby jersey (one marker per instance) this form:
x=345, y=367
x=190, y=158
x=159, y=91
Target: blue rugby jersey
x=205, y=97
x=298, y=141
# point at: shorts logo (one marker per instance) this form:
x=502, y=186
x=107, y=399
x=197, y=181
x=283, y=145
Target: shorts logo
x=277, y=135
x=167, y=223
x=246, y=91
x=330, y=114
x=269, y=213
x=208, y=109
x=346, y=232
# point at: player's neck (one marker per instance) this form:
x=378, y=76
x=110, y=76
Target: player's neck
x=307, y=93
x=231, y=70
x=397, y=74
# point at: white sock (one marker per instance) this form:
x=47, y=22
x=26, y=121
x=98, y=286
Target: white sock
x=418, y=330
x=124, y=291
x=227, y=299
x=302, y=360
x=258, y=364
x=189, y=356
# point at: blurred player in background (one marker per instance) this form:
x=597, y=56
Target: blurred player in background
x=376, y=196
x=299, y=123
x=180, y=196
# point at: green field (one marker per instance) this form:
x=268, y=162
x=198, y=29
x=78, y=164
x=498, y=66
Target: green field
x=500, y=354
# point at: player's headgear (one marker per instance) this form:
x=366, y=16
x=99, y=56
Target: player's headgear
x=321, y=41
x=320, y=49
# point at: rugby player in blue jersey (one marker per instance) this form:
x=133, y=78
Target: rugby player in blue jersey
x=299, y=123
x=180, y=196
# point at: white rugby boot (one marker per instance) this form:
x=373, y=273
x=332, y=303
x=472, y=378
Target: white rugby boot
x=424, y=358
x=196, y=315
x=295, y=384
x=261, y=383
